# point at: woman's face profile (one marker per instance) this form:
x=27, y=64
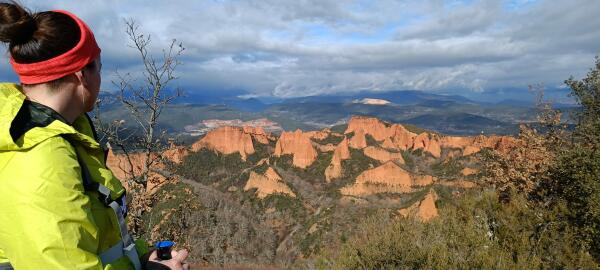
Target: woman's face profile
x=93, y=80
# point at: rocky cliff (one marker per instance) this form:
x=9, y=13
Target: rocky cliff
x=297, y=144
x=388, y=177
x=397, y=137
x=341, y=152
x=268, y=183
x=227, y=140
x=383, y=155
x=424, y=209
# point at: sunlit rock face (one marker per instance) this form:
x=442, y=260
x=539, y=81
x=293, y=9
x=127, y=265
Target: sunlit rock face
x=358, y=141
x=227, y=140
x=382, y=155
x=341, y=152
x=258, y=134
x=397, y=137
x=175, y=154
x=297, y=144
x=389, y=177
x=429, y=143
x=369, y=125
x=424, y=209
x=268, y=183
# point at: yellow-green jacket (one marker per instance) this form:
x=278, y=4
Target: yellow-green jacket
x=47, y=219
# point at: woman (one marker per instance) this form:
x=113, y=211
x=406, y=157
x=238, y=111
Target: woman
x=61, y=208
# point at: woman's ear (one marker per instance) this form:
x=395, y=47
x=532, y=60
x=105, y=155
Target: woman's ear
x=81, y=78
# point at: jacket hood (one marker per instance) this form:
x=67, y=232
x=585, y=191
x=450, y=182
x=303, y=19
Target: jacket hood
x=11, y=101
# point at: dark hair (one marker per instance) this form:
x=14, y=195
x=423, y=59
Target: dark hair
x=36, y=37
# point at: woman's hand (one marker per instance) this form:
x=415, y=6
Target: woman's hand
x=176, y=263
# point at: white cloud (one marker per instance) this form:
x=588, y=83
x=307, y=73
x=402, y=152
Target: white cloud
x=294, y=48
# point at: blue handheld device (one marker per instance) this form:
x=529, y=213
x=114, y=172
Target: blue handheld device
x=163, y=249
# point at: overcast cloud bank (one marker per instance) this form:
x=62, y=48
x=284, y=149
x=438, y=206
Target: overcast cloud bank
x=310, y=47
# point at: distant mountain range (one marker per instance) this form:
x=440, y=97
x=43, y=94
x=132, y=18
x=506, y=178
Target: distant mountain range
x=449, y=114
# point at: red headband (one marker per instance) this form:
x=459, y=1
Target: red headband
x=74, y=60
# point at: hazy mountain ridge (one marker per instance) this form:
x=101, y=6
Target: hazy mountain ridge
x=449, y=114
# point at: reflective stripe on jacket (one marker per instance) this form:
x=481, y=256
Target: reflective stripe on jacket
x=47, y=219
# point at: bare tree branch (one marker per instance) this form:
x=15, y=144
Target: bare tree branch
x=145, y=102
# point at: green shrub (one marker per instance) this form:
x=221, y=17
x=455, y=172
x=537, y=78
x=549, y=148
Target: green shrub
x=477, y=232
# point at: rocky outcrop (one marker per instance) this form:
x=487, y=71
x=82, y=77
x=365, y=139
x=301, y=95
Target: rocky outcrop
x=325, y=148
x=388, y=144
x=319, y=134
x=268, y=183
x=119, y=165
x=388, y=177
x=369, y=125
x=297, y=144
x=123, y=169
x=258, y=133
x=227, y=140
x=424, y=209
x=341, y=152
x=428, y=143
x=397, y=137
x=176, y=154
x=358, y=141
x=385, y=178
x=401, y=138
x=382, y=155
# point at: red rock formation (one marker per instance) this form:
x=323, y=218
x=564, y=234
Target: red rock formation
x=430, y=145
x=122, y=169
x=341, y=152
x=358, y=141
x=325, y=148
x=369, y=125
x=297, y=144
x=388, y=177
x=319, y=135
x=382, y=155
x=401, y=138
x=258, y=133
x=472, y=145
x=268, y=183
x=424, y=210
x=227, y=140
x=388, y=144
x=175, y=154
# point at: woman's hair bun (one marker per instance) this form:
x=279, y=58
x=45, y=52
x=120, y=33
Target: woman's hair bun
x=17, y=25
